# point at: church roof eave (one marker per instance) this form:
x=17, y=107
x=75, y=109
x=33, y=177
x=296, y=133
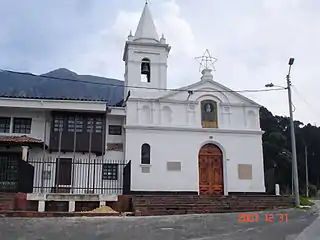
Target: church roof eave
x=199, y=83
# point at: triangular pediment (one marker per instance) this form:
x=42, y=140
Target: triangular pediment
x=211, y=88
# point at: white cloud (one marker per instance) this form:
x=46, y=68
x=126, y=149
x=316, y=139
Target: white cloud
x=252, y=40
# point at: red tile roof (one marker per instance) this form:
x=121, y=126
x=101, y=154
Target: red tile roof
x=19, y=139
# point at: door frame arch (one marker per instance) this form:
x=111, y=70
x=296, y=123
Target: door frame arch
x=224, y=164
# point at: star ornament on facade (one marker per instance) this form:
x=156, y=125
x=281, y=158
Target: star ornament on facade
x=206, y=61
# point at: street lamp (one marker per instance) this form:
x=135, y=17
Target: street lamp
x=293, y=138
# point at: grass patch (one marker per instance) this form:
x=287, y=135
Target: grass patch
x=305, y=202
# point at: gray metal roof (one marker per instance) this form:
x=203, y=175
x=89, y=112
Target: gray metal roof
x=48, y=86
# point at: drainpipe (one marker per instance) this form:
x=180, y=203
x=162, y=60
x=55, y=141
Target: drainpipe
x=43, y=150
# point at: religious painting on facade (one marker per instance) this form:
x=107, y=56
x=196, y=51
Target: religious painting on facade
x=209, y=114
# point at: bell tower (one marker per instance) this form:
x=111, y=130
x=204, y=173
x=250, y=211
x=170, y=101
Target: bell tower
x=145, y=57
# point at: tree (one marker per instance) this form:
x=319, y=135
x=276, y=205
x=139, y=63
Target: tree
x=277, y=148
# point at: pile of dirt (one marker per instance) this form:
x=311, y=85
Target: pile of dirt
x=104, y=209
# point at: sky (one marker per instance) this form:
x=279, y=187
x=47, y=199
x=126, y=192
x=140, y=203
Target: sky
x=252, y=40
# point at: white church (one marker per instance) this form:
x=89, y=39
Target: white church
x=200, y=139
x=204, y=138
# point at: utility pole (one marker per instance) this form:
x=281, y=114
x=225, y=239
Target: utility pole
x=293, y=140
x=292, y=183
x=307, y=173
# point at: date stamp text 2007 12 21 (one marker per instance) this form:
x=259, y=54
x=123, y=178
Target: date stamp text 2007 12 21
x=245, y=218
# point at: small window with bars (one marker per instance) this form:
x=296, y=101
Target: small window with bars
x=90, y=123
x=22, y=125
x=4, y=124
x=79, y=125
x=110, y=171
x=98, y=125
x=71, y=124
x=58, y=124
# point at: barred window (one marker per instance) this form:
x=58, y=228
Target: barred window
x=98, y=125
x=58, y=124
x=90, y=123
x=79, y=124
x=71, y=124
x=22, y=125
x=110, y=171
x=4, y=124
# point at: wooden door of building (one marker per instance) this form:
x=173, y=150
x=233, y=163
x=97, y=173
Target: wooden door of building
x=210, y=170
x=63, y=171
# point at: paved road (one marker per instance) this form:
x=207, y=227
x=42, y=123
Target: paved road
x=188, y=227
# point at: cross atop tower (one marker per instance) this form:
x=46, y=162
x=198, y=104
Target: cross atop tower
x=206, y=61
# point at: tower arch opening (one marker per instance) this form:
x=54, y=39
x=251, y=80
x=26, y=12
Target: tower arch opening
x=145, y=70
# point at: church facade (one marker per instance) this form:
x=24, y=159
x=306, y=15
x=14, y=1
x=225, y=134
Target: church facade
x=203, y=138
x=200, y=139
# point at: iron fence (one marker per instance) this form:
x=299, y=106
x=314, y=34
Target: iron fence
x=15, y=175
x=78, y=176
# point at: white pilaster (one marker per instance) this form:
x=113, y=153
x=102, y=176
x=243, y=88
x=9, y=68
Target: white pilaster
x=25, y=150
x=41, y=206
x=72, y=206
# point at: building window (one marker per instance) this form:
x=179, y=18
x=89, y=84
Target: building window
x=98, y=125
x=145, y=154
x=58, y=124
x=115, y=130
x=71, y=124
x=90, y=123
x=110, y=171
x=4, y=124
x=79, y=124
x=209, y=114
x=22, y=125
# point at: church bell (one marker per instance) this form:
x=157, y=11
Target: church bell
x=145, y=68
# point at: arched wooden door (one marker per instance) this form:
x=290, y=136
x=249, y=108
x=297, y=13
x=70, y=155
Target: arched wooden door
x=210, y=170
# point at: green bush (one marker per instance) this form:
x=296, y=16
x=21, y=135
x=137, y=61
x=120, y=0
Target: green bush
x=312, y=190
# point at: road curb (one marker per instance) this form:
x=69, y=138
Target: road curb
x=55, y=214
x=312, y=232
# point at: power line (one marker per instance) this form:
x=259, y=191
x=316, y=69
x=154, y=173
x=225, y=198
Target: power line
x=304, y=100
x=139, y=87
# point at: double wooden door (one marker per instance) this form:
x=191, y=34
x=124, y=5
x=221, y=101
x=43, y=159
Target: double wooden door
x=210, y=170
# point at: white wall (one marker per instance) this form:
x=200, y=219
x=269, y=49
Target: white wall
x=114, y=120
x=184, y=146
x=37, y=124
x=184, y=114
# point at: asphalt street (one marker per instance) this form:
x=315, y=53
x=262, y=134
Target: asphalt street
x=185, y=227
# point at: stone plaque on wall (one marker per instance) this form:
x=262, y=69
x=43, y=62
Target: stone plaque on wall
x=145, y=169
x=245, y=171
x=174, y=166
